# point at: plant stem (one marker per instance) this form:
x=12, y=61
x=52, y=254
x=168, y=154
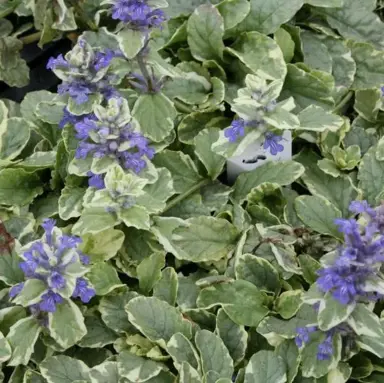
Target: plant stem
x=29, y=39
x=174, y=201
x=144, y=71
x=344, y=101
x=83, y=16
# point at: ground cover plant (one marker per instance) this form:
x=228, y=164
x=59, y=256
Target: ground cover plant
x=125, y=253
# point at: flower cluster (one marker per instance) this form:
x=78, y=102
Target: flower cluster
x=354, y=273
x=59, y=264
x=110, y=134
x=84, y=72
x=137, y=14
x=261, y=107
x=325, y=348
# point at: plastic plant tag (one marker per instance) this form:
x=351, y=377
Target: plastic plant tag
x=255, y=155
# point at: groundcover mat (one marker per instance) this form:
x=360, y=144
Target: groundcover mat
x=128, y=254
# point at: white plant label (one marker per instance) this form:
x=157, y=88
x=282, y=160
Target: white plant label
x=255, y=155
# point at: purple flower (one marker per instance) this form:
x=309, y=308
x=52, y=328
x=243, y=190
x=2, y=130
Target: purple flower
x=303, y=335
x=56, y=281
x=358, y=260
x=272, y=143
x=47, y=260
x=49, y=301
x=111, y=138
x=137, y=14
x=15, y=290
x=325, y=349
x=84, y=79
x=96, y=180
x=83, y=291
x=236, y=130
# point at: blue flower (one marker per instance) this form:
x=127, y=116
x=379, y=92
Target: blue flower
x=96, y=180
x=15, y=290
x=325, y=348
x=303, y=335
x=137, y=14
x=272, y=143
x=83, y=291
x=49, y=301
x=236, y=130
x=358, y=260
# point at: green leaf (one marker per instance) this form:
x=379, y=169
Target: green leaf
x=13, y=69
x=17, y=187
x=271, y=326
x=325, y=3
x=106, y=372
x=182, y=351
x=182, y=168
x=308, y=87
x=280, y=173
x=196, y=239
x=136, y=368
x=286, y=44
x=316, y=54
x=311, y=365
x=104, y=278
x=289, y=352
x=39, y=160
x=149, y=271
x=66, y=324
x=31, y=293
x=365, y=322
x=241, y=300
x=318, y=213
x=214, y=355
x=233, y=335
x=10, y=272
x=316, y=119
x=188, y=374
x=9, y=316
x=33, y=377
x=155, y=114
x=371, y=344
x=265, y=367
x=339, y=191
x=102, y=246
x=260, y=54
x=205, y=33
x=135, y=216
x=368, y=103
x=71, y=202
x=288, y=303
x=267, y=17
x=63, y=369
x=22, y=338
x=369, y=65
x=157, y=320
x=5, y=349
x=166, y=288
x=94, y=220
x=98, y=334
x=357, y=21
x=332, y=312
x=213, y=162
x=233, y=12
x=258, y=271
x=112, y=309
x=131, y=42
x=371, y=177
x=14, y=136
